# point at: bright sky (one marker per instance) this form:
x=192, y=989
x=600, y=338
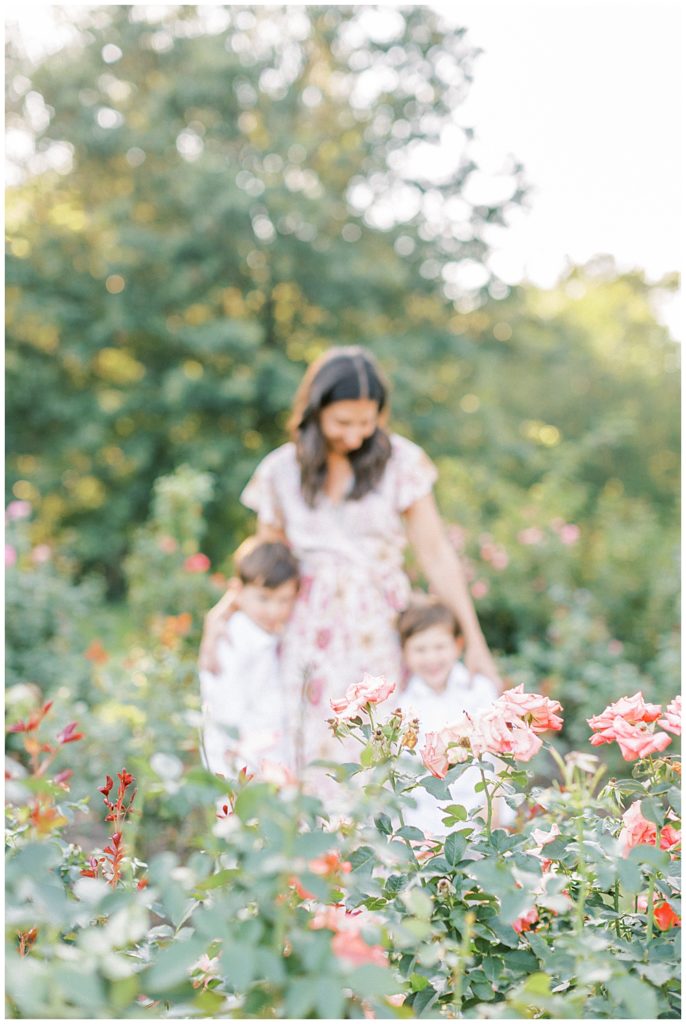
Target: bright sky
x=587, y=95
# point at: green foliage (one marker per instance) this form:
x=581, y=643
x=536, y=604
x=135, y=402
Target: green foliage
x=285, y=911
x=46, y=614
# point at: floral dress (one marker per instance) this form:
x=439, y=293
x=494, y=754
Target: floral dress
x=352, y=583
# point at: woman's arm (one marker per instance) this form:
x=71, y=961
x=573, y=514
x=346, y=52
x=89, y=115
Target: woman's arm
x=442, y=568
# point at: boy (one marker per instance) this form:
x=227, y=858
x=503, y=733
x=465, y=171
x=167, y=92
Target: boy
x=240, y=685
x=438, y=689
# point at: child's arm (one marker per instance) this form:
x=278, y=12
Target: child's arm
x=214, y=624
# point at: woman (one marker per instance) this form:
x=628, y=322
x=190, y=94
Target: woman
x=347, y=497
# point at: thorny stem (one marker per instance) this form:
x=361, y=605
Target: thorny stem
x=651, y=889
x=459, y=971
x=489, y=803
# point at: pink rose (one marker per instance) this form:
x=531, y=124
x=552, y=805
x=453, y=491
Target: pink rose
x=672, y=719
x=498, y=731
x=197, y=563
x=541, y=838
x=167, y=544
x=10, y=555
x=634, y=741
x=371, y=690
x=525, y=920
x=638, y=831
x=456, y=737
x=479, y=589
x=41, y=553
x=17, y=510
x=569, y=533
x=500, y=559
x=336, y=918
x=434, y=755
x=350, y=946
x=541, y=712
x=531, y=536
x=631, y=709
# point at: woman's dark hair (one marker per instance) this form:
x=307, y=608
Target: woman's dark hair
x=338, y=375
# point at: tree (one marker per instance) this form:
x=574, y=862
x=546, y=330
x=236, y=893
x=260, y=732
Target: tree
x=216, y=196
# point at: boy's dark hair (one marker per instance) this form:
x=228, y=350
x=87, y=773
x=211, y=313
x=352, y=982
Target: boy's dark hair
x=423, y=612
x=265, y=563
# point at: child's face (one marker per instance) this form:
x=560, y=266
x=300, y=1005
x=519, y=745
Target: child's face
x=431, y=655
x=268, y=607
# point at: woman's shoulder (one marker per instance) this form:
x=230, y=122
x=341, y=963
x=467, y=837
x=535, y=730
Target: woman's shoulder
x=279, y=458
x=412, y=471
x=402, y=446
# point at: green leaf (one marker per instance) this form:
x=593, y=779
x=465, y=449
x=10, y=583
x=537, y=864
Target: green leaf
x=424, y=1000
x=410, y=832
x=363, y=859
x=82, y=986
x=224, y=877
x=301, y=996
x=652, y=811
x=436, y=787
x=513, y=904
x=394, y=884
x=418, y=982
x=372, y=980
x=384, y=824
x=630, y=876
x=367, y=756
x=251, y=800
x=171, y=965
x=456, y=811
x=34, y=860
x=123, y=991
x=455, y=846
x=313, y=844
x=638, y=998
x=239, y=964
x=328, y=997
x=418, y=902
x=649, y=855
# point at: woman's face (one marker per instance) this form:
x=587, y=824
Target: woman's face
x=347, y=424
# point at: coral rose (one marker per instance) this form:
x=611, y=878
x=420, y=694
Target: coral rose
x=634, y=741
x=370, y=690
x=498, y=731
x=525, y=921
x=664, y=916
x=541, y=712
x=350, y=946
x=435, y=755
x=631, y=709
x=638, y=831
x=672, y=719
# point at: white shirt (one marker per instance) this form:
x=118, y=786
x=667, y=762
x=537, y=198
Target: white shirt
x=436, y=710
x=246, y=694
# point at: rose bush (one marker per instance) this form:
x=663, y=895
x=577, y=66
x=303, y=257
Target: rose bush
x=289, y=908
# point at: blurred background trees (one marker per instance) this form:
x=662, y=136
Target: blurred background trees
x=209, y=197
